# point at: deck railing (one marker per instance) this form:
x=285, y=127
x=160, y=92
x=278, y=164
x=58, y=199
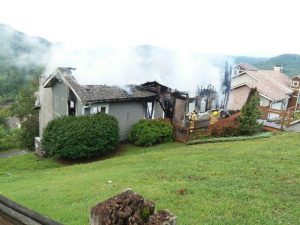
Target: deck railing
x=283, y=118
x=16, y=214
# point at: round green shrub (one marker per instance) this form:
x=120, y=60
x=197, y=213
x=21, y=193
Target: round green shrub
x=149, y=132
x=74, y=137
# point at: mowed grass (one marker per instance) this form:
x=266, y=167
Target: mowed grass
x=245, y=182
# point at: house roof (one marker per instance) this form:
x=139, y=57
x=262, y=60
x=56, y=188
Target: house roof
x=97, y=93
x=272, y=84
x=248, y=67
x=297, y=76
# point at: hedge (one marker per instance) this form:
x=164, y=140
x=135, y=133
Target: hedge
x=149, y=132
x=74, y=137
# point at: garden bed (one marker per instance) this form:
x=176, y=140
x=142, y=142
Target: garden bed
x=228, y=139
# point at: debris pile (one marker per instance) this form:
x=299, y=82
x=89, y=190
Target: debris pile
x=129, y=208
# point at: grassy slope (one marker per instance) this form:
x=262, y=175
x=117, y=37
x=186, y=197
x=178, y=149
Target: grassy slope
x=248, y=182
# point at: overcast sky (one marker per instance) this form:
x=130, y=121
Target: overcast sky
x=244, y=27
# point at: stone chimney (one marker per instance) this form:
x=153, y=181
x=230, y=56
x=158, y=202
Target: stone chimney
x=278, y=68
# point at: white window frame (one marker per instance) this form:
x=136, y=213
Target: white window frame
x=295, y=83
x=97, y=108
x=152, y=104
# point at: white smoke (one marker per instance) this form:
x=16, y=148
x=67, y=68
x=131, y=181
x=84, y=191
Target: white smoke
x=180, y=70
x=21, y=50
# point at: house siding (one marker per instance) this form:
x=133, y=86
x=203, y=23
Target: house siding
x=242, y=79
x=180, y=111
x=158, y=111
x=46, y=103
x=79, y=110
x=60, y=99
x=238, y=97
x=127, y=114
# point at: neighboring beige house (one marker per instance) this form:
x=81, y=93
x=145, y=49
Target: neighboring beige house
x=295, y=100
x=276, y=90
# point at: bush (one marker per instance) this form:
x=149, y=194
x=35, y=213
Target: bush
x=29, y=130
x=81, y=136
x=9, y=138
x=226, y=127
x=249, y=115
x=149, y=132
x=297, y=116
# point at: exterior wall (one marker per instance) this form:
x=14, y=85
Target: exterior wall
x=79, y=110
x=158, y=111
x=242, y=80
x=46, y=106
x=127, y=114
x=295, y=98
x=54, y=103
x=60, y=99
x=238, y=97
x=179, y=111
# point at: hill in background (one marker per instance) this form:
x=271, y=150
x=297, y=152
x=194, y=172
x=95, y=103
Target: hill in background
x=22, y=58
x=289, y=62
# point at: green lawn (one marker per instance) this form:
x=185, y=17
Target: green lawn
x=245, y=182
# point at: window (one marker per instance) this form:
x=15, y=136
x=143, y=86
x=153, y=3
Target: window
x=295, y=83
x=150, y=110
x=100, y=109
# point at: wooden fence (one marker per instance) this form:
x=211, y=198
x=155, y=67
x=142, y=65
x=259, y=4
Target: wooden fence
x=11, y=213
x=277, y=119
x=191, y=130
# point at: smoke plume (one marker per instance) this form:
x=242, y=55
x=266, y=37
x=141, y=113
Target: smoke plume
x=121, y=66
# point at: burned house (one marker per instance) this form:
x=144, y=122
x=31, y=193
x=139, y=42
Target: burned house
x=206, y=99
x=61, y=95
x=174, y=103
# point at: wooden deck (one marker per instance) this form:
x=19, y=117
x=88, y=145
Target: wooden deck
x=285, y=118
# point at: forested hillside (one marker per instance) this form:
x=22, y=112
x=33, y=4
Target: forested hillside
x=22, y=58
x=289, y=62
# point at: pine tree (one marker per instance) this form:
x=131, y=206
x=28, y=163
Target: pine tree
x=249, y=115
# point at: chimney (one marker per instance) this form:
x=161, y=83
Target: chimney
x=278, y=68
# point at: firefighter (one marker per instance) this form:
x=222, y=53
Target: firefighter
x=214, y=117
x=193, y=116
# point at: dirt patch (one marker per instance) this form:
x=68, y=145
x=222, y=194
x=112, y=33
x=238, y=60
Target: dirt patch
x=182, y=191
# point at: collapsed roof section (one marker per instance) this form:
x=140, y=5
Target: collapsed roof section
x=97, y=93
